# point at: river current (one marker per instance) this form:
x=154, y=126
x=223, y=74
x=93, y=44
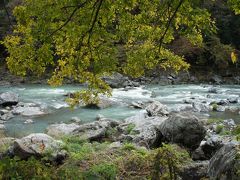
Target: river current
x=53, y=99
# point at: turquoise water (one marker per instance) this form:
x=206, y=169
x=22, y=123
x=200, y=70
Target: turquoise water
x=58, y=111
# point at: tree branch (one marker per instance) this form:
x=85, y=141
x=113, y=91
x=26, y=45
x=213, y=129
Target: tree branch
x=94, y=20
x=70, y=17
x=169, y=23
x=8, y=15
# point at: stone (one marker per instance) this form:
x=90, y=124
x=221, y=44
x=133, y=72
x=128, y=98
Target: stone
x=145, y=131
x=116, y=80
x=137, y=105
x=28, y=111
x=8, y=99
x=99, y=117
x=76, y=120
x=157, y=109
x=220, y=109
x=183, y=128
x=37, y=145
x=6, y=117
x=233, y=100
x=225, y=164
x=28, y=121
x=58, y=130
x=211, y=146
x=194, y=170
x=200, y=107
x=94, y=131
x=103, y=103
x=213, y=90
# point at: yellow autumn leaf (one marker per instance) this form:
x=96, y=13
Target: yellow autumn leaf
x=234, y=57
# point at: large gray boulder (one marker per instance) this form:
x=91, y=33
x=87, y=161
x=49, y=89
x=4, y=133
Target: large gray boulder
x=183, y=128
x=8, y=99
x=58, y=130
x=145, y=129
x=38, y=145
x=225, y=164
x=157, y=109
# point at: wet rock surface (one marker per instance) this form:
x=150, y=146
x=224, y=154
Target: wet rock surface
x=8, y=99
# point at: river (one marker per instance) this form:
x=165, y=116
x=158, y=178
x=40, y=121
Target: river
x=52, y=99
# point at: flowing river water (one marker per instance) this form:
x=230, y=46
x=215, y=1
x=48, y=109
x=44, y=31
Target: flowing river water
x=53, y=100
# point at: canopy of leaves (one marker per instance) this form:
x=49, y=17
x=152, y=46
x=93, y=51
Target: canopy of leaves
x=81, y=39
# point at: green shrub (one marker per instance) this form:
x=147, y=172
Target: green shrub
x=129, y=128
x=25, y=169
x=236, y=132
x=167, y=162
x=214, y=120
x=102, y=171
x=214, y=107
x=219, y=128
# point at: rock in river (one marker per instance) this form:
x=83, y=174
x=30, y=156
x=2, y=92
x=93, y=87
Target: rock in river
x=28, y=111
x=157, y=108
x=8, y=99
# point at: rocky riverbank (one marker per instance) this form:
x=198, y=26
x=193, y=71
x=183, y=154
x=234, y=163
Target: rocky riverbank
x=212, y=145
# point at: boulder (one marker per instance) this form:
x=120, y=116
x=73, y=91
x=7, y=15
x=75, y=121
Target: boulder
x=220, y=108
x=138, y=119
x=116, y=80
x=6, y=116
x=233, y=100
x=225, y=164
x=76, y=120
x=38, y=145
x=145, y=130
x=194, y=170
x=103, y=103
x=8, y=99
x=157, y=109
x=211, y=146
x=137, y=104
x=94, y=131
x=58, y=130
x=28, y=121
x=148, y=136
x=28, y=111
x=183, y=128
x=213, y=90
x=200, y=107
